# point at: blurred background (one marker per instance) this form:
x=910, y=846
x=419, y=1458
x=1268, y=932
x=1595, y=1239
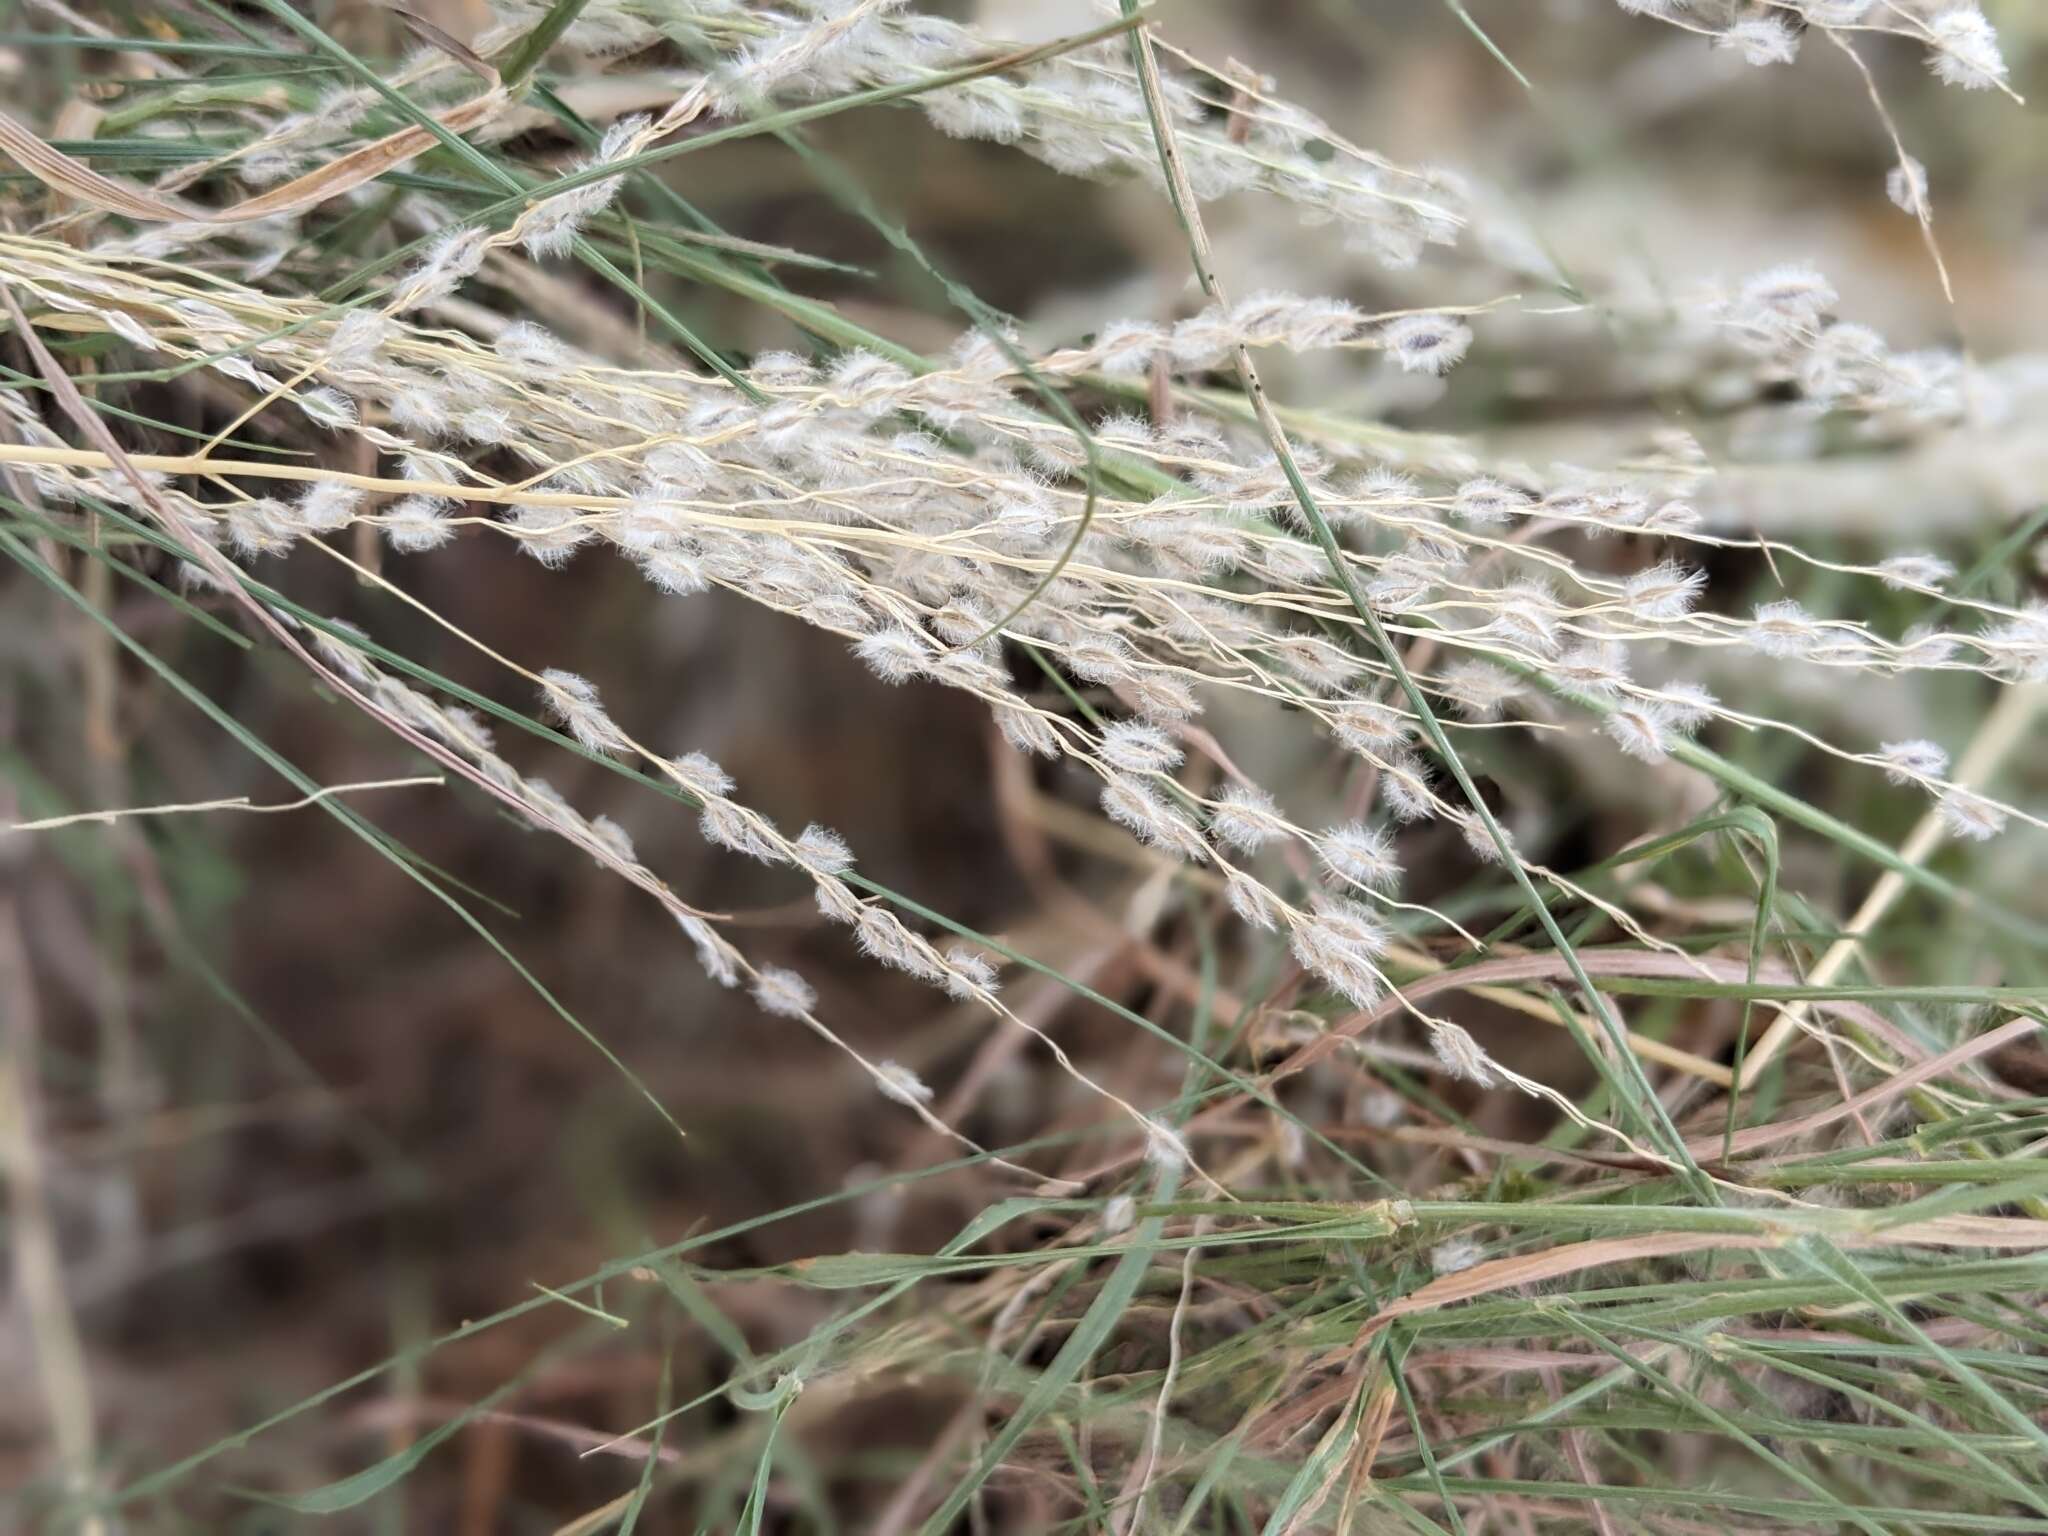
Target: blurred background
x=294, y=1116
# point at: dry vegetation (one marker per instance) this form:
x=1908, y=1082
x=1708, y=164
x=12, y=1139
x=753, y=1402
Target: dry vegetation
x=817, y=767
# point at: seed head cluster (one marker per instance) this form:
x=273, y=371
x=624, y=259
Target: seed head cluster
x=938, y=519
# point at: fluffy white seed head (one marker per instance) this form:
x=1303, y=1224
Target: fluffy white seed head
x=1338, y=941
x=1027, y=730
x=1641, y=728
x=417, y=524
x=976, y=109
x=327, y=506
x=1251, y=901
x=1665, y=591
x=882, y=936
x=783, y=992
x=456, y=255
x=1598, y=667
x=1784, y=631
x=550, y=806
x=1164, y=1148
x=898, y=1082
x=1245, y=819
x=1781, y=307
x=1367, y=727
x=1125, y=348
x=1906, y=762
x=736, y=830
x=1156, y=823
x=1132, y=747
x=535, y=345
x=551, y=534
x=1355, y=854
x=1203, y=341
x=1118, y=1213
x=1431, y=344
x=551, y=227
x=1901, y=572
x=1906, y=185
x=614, y=839
x=339, y=653
x=700, y=776
x=465, y=731
x=2018, y=648
x=1404, y=788
x=1688, y=706
x=1762, y=40
x=895, y=654
x=713, y=953
x=1478, y=690
x=836, y=901
x=1480, y=839
x=1401, y=584
x=1162, y=699
x=1460, y=1055
x=822, y=851
x=1485, y=502
x=358, y=337
x=1526, y=617
x=571, y=701
x=968, y=974
x=259, y=527
x=1970, y=816
x=1963, y=49
x=676, y=572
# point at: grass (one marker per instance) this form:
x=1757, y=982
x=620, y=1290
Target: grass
x=1661, y=1157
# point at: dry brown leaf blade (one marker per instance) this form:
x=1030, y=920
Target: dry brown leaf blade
x=2008, y=1033
x=1496, y=1275
x=81, y=183
x=1551, y=1263
x=75, y=179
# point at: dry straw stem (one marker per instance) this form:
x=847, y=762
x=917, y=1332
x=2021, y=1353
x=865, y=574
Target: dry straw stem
x=233, y=803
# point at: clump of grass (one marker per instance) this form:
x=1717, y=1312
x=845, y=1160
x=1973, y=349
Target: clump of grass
x=1766, y=1251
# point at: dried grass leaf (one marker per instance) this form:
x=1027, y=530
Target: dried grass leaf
x=78, y=181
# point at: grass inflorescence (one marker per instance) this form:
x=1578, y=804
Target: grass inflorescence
x=1517, y=1001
